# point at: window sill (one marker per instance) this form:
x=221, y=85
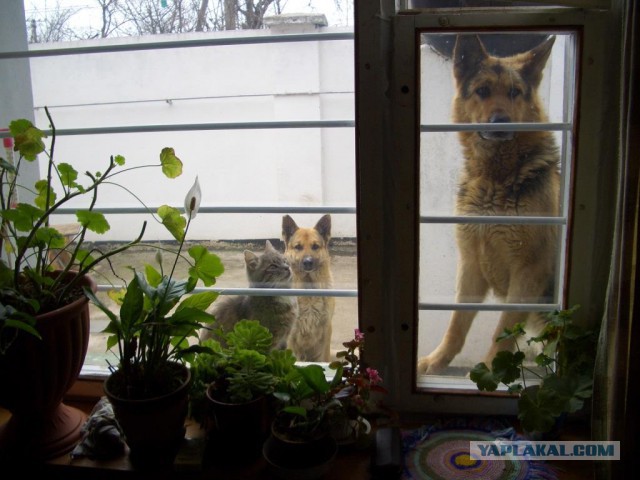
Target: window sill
x=350, y=464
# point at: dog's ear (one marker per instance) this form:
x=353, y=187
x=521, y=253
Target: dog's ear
x=468, y=55
x=289, y=227
x=535, y=60
x=251, y=259
x=324, y=227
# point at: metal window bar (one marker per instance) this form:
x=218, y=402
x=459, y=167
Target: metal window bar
x=200, y=42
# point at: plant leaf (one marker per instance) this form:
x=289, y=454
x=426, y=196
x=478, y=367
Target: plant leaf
x=173, y=221
x=94, y=221
x=198, y=301
x=315, y=378
x=171, y=164
x=23, y=216
x=43, y=188
x=484, y=378
x=28, y=138
x=207, y=265
x=506, y=366
x=68, y=174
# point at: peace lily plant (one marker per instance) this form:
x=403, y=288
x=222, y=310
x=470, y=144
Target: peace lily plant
x=30, y=285
x=159, y=314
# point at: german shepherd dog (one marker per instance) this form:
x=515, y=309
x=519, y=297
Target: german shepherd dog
x=307, y=250
x=504, y=173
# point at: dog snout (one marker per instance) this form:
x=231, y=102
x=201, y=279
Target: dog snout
x=308, y=263
x=499, y=118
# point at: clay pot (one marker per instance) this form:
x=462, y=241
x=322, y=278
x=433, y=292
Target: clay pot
x=237, y=430
x=35, y=374
x=153, y=427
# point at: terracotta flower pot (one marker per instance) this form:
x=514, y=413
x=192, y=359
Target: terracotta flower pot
x=153, y=427
x=35, y=375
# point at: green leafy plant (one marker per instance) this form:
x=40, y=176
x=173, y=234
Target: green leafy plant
x=563, y=370
x=306, y=398
x=29, y=283
x=240, y=365
x=159, y=314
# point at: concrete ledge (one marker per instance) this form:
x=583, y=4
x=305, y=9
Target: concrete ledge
x=296, y=20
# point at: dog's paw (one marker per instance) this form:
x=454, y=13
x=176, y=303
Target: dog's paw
x=431, y=365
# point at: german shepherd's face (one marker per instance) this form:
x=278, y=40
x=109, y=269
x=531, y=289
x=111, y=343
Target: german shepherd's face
x=497, y=90
x=307, y=249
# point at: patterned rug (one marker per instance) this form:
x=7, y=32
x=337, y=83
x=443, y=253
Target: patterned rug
x=441, y=452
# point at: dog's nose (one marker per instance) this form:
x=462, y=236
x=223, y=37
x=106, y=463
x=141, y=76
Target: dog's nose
x=499, y=118
x=307, y=263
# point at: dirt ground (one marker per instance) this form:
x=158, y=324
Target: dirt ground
x=343, y=262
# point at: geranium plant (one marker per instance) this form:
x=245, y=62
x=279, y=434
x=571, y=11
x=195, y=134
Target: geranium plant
x=563, y=371
x=29, y=283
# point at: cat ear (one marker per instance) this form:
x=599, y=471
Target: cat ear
x=268, y=247
x=324, y=227
x=251, y=259
x=289, y=227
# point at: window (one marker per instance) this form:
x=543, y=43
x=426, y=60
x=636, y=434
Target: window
x=388, y=143
x=442, y=162
x=264, y=118
x=416, y=177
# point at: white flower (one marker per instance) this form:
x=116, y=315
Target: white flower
x=192, y=200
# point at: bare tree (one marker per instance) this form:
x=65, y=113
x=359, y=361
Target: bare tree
x=53, y=26
x=108, y=16
x=202, y=16
x=144, y=17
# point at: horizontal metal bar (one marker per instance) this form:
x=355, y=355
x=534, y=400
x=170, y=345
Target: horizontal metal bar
x=492, y=307
x=496, y=127
x=263, y=292
x=171, y=100
x=199, y=127
x=225, y=209
x=200, y=42
x=497, y=220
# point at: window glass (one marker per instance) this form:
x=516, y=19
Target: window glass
x=493, y=198
x=266, y=126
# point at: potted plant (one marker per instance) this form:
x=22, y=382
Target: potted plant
x=563, y=370
x=232, y=385
x=300, y=444
x=44, y=317
x=154, y=333
x=349, y=424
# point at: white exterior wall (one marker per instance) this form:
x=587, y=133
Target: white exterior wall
x=237, y=83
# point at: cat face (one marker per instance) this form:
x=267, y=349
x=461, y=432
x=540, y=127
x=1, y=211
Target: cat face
x=268, y=270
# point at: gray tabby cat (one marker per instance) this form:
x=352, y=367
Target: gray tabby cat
x=277, y=313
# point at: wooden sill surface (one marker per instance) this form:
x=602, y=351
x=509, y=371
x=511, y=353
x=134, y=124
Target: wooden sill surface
x=350, y=464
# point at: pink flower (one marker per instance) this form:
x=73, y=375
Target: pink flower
x=374, y=376
x=359, y=336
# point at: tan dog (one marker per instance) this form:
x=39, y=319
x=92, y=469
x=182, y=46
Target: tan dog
x=308, y=254
x=505, y=173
